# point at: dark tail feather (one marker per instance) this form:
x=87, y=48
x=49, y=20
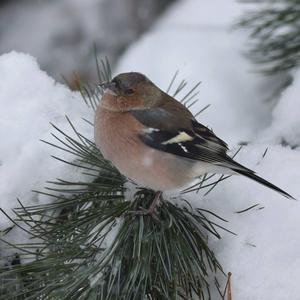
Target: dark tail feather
x=250, y=174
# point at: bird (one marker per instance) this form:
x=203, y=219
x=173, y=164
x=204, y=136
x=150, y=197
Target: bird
x=154, y=140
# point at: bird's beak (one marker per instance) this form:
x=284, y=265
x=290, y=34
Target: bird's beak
x=109, y=87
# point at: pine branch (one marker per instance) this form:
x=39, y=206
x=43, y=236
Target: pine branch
x=275, y=34
x=89, y=244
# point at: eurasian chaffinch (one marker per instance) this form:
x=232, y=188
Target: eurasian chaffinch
x=155, y=140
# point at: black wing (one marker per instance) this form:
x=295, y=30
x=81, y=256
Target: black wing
x=195, y=141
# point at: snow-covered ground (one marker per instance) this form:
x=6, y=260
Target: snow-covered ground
x=263, y=257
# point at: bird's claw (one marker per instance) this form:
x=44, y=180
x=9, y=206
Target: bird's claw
x=145, y=212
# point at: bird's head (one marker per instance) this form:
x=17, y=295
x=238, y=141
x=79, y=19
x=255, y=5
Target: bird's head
x=130, y=91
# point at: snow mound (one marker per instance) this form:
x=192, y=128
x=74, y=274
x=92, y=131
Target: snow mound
x=29, y=100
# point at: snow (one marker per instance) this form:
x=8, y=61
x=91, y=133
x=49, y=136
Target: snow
x=286, y=117
x=264, y=256
x=29, y=100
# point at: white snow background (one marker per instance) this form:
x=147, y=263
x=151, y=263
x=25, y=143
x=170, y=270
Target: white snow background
x=29, y=101
x=194, y=37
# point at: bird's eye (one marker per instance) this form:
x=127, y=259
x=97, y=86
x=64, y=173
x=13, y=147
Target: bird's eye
x=129, y=91
x=115, y=82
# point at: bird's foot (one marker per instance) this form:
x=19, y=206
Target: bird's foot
x=151, y=210
x=146, y=212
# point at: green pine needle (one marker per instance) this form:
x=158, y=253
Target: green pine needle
x=274, y=34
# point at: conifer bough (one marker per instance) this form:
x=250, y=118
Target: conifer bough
x=86, y=243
